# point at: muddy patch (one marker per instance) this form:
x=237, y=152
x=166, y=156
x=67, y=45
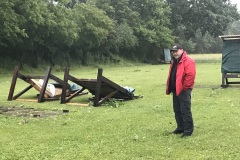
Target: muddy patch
x=29, y=112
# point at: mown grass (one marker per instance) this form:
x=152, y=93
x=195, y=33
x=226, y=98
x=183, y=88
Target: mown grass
x=207, y=58
x=137, y=129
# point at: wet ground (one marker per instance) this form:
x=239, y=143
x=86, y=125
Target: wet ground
x=21, y=111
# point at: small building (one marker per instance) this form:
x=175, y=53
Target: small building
x=167, y=55
x=230, y=59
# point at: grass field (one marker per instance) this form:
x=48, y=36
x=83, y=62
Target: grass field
x=137, y=129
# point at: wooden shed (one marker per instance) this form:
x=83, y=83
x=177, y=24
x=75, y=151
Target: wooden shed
x=230, y=60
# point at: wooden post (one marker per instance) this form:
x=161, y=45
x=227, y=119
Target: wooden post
x=20, y=93
x=98, y=87
x=223, y=80
x=65, y=85
x=44, y=86
x=13, y=84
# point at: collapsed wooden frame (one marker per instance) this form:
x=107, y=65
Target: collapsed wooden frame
x=102, y=88
x=29, y=79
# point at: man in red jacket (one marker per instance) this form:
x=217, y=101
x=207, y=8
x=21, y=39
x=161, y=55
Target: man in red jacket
x=180, y=83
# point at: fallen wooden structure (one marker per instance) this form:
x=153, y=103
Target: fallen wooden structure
x=45, y=93
x=102, y=88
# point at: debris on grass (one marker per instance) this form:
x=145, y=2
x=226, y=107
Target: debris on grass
x=21, y=111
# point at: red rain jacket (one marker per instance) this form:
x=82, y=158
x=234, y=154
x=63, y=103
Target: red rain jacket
x=185, y=75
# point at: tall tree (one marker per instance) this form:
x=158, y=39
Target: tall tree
x=95, y=28
x=36, y=29
x=233, y=28
x=122, y=40
x=153, y=27
x=206, y=16
x=10, y=24
x=149, y=22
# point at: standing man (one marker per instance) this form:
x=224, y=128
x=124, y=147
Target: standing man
x=180, y=83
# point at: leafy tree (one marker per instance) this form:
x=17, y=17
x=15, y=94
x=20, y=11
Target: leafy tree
x=189, y=45
x=149, y=22
x=153, y=27
x=233, y=28
x=42, y=30
x=10, y=24
x=59, y=32
x=119, y=11
x=123, y=39
x=95, y=28
x=213, y=16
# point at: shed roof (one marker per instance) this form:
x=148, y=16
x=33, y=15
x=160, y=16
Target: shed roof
x=230, y=37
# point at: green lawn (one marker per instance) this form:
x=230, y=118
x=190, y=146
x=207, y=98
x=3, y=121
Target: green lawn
x=137, y=129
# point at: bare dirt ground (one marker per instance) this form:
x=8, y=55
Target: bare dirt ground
x=21, y=111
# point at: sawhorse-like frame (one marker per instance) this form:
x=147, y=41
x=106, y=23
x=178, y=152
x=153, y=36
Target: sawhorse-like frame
x=102, y=88
x=28, y=79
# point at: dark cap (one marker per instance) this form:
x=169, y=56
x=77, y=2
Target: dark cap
x=176, y=47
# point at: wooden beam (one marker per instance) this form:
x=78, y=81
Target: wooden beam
x=77, y=93
x=26, y=100
x=98, y=87
x=58, y=80
x=22, y=92
x=79, y=104
x=45, y=82
x=68, y=77
x=107, y=97
x=64, y=88
x=13, y=84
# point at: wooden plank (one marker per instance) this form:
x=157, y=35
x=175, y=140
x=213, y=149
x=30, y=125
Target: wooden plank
x=45, y=92
x=35, y=77
x=38, y=87
x=232, y=76
x=45, y=82
x=78, y=104
x=223, y=80
x=114, y=85
x=233, y=83
x=13, y=84
x=107, y=86
x=32, y=100
x=107, y=97
x=102, y=88
x=58, y=80
x=98, y=88
x=68, y=77
x=77, y=93
x=23, y=91
x=64, y=88
x=26, y=100
x=226, y=76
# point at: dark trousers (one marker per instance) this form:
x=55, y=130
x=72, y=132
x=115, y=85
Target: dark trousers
x=182, y=110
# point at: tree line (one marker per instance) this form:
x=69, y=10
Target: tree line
x=101, y=31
